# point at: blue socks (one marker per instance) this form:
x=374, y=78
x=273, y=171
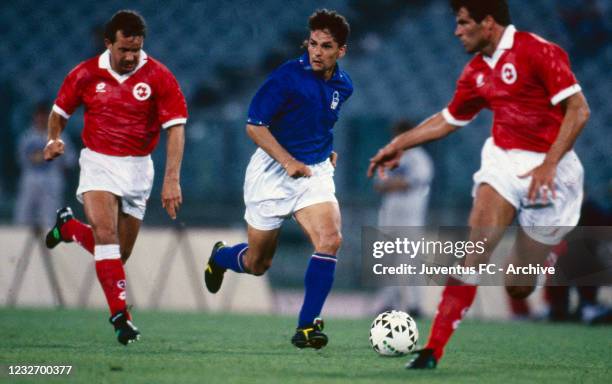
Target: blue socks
x=318, y=281
x=232, y=257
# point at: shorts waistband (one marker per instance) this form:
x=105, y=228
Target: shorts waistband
x=135, y=159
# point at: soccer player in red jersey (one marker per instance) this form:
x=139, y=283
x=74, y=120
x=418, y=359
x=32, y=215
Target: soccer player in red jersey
x=528, y=169
x=129, y=98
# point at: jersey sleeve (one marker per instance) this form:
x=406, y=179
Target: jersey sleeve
x=269, y=99
x=69, y=96
x=551, y=64
x=171, y=104
x=466, y=102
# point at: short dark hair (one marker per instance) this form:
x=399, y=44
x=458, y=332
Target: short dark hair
x=334, y=22
x=479, y=9
x=129, y=22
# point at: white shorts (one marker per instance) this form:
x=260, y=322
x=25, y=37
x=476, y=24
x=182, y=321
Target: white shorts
x=129, y=177
x=271, y=196
x=546, y=224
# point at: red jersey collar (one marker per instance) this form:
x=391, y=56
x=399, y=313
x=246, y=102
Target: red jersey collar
x=506, y=42
x=104, y=63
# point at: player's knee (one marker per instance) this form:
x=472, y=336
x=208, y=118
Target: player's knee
x=329, y=243
x=519, y=292
x=260, y=267
x=104, y=234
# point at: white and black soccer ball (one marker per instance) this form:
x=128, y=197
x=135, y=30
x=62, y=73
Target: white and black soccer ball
x=393, y=333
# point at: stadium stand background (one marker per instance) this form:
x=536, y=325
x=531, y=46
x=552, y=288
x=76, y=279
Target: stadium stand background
x=403, y=60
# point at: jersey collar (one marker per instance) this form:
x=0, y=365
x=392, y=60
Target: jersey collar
x=506, y=42
x=104, y=63
x=305, y=61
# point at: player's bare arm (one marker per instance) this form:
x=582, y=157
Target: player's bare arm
x=388, y=157
x=577, y=114
x=263, y=138
x=171, y=190
x=55, y=146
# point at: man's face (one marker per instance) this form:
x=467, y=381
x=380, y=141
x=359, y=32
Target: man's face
x=125, y=52
x=323, y=51
x=473, y=35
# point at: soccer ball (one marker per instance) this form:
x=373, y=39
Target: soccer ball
x=393, y=333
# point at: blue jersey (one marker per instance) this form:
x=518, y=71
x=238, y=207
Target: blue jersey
x=300, y=108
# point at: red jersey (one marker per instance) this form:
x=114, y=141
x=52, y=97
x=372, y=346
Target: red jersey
x=522, y=83
x=123, y=113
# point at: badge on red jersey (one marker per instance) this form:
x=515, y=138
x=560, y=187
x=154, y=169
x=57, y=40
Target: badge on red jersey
x=141, y=91
x=508, y=73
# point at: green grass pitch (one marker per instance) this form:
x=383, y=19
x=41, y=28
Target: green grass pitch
x=206, y=348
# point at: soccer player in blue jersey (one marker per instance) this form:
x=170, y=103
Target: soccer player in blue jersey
x=291, y=118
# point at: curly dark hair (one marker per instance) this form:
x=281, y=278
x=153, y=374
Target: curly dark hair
x=479, y=9
x=334, y=22
x=129, y=22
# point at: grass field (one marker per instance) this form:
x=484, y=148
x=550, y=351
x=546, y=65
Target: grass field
x=204, y=348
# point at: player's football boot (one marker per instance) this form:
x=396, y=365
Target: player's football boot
x=213, y=274
x=54, y=236
x=124, y=329
x=311, y=336
x=424, y=359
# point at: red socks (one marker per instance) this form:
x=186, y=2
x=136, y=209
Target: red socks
x=112, y=278
x=79, y=232
x=109, y=266
x=456, y=300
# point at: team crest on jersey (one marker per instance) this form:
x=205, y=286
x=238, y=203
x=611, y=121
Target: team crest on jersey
x=141, y=91
x=479, y=80
x=508, y=73
x=101, y=87
x=335, y=100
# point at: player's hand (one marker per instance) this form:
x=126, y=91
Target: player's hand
x=172, y=197
x=387, y=157
x=333, y=158
x=53, y=149
x=297, y=169
x=542, y=181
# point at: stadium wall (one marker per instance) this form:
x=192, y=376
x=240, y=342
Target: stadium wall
x=164, y=272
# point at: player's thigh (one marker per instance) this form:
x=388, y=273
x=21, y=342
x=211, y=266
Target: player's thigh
x=490, y=216
x=101, y=210
x=262, y=244
x=128, y=228
x=526, y=251
x=322, y=224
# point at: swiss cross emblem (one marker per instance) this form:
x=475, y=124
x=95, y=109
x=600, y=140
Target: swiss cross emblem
x=141, y=91
x=508, y=73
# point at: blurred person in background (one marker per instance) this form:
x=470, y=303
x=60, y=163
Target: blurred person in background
x=41, y=184
x=581, y=254
x=405, y=197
